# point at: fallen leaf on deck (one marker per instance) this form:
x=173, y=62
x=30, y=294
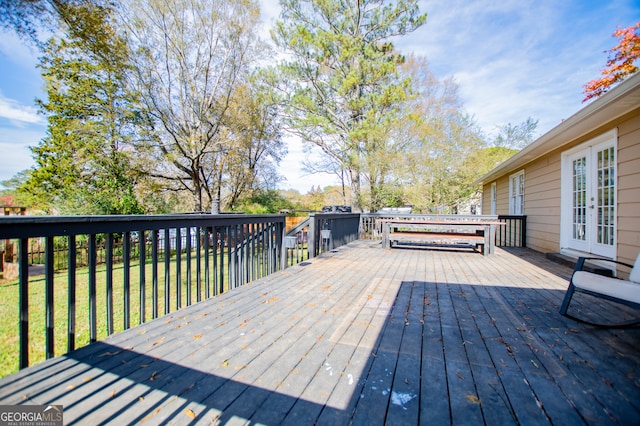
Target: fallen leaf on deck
x=109, y=353
x=190, y=413
x=87, y=379
x=188, y=388
x=156, y=411
x=70, y=387
x=197, y=336
x=473, y=399
x=157, y=342
x=113, y=393
x=225, y=363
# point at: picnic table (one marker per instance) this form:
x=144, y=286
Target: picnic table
x=459, y=233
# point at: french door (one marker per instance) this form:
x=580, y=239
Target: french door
x=589, y=188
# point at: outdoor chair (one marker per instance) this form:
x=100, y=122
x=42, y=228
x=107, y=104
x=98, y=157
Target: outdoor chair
x=622, y=291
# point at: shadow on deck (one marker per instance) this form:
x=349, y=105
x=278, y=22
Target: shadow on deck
x=363, y=336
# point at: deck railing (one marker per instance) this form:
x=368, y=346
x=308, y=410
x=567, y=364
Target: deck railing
x=319, y=233
x=512, y=234
x=166, y=263
x=103, y=274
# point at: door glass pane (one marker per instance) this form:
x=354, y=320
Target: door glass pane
x=579, y=192
x=606, y=196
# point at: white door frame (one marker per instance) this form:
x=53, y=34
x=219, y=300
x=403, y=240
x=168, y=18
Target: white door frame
x=598, y=235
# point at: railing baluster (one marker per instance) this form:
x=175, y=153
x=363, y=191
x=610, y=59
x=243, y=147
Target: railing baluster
x=224, y=237
x=154, y=274
x=49, y=298
x=71, y=295
x=233, y=258
x=126, y=258
x=178, y=269
x=93, y=314
x=24, y=301
x=209, y=237
x=142, y=262
x=167, y=271
x=188, y=277
x=198, y=266
x=109, y=279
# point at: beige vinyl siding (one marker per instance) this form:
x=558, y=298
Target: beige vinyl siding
x=542, y=203
x=542, y=193
x=629, y=189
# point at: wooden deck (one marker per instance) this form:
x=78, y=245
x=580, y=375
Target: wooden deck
x=363, y=335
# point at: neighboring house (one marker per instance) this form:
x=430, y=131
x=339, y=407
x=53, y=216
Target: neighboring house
x=579, y=184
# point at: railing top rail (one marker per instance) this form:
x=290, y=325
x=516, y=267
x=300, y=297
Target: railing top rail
x=335, y=215
x=299, y=227
x=443, y=217
x=46, y=226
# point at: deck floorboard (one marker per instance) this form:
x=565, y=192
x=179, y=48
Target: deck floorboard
x=361, y=335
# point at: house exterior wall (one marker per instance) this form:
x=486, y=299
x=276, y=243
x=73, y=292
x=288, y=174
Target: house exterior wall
x=629, y=189
x=543, y=191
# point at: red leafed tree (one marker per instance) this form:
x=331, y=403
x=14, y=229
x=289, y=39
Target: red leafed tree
x=620, y=63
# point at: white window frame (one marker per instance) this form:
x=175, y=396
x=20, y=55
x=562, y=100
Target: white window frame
x=516, y=193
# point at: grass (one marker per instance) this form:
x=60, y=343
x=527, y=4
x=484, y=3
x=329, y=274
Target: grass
x=9, y=307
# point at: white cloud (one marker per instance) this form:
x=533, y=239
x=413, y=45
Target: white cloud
x=19, y=114
x=516, y=59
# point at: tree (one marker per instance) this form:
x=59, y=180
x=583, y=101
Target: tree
x=255, y=145
x=340, y=84
x=192, y=61
x=516, y=137
x=83, y=165
x=26, y=17
x=620, y=65
x=437, y=142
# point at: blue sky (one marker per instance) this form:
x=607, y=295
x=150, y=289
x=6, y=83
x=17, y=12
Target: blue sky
x=512, y=59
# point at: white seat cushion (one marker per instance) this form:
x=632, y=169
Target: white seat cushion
x=621, y=289
x=635, y=272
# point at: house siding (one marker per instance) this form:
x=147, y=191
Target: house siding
x=629, y=189
x=543, y=191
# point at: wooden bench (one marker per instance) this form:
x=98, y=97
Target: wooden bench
x=452, y=233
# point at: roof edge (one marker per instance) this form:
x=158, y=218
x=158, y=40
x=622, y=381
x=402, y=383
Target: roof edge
x=606, y=108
